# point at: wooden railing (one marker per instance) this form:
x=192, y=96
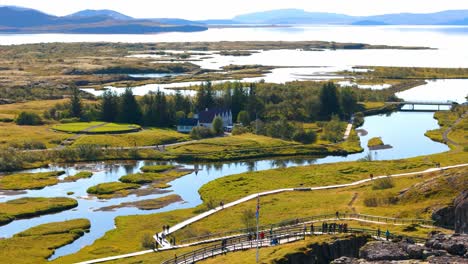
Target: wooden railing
x=300, y=221
x=278, y=236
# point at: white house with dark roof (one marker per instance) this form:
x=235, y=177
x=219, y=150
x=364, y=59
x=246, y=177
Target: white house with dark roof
x=205, y=118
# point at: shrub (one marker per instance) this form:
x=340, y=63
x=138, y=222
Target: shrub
x=379, y=200
x=306, y=137
x=243, y=118
x=10, y=160
x=218, y=126
x=358, y=119
x=69, y=120
x=147, y=241
x=88, y=152
x=239, y=130
x=29, y=145
x=383, y=183
x=28, y=119
x=201, y=132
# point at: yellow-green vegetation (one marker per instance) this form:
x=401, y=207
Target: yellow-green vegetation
x=130, y=229
x=141, y=178
x=24, y=181
x=78, y=176
x=457, y=135
x=37, y=106
x=375, y=141
x=149, y=204
x=439, y=190
x=96, y=127
x=36, y=244
x=413, y=73
x=75, y=226
x=30, y=207
x=112, y=189
x=12, y=135
x=158, y=180
x=157, y=168
x=254, y=146
x=147, y=137
x=236, y=186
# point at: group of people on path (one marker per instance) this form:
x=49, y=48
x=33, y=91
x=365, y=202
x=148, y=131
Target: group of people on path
x=387, y=234
x=333, y=228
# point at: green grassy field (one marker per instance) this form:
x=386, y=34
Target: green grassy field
x=36, y=244
x=96, y=127
x=112, y=189
x=14, y=135
x=25, y=181
x=248, y=145
x=30, y=207
x=78, y=176
x=157, y=168
x=147, y=137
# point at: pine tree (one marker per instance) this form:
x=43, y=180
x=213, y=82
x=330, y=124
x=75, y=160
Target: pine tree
x=109, y=106
x=329, y=101
x=129, y=110
x=75, y=102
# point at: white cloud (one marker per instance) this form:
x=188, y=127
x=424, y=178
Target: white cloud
x=204, y=9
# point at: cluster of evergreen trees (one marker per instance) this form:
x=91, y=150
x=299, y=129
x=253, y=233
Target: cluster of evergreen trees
x=294, y=102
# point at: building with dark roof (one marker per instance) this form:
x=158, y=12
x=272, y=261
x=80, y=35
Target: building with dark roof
x=185, y=125
x=205, y=118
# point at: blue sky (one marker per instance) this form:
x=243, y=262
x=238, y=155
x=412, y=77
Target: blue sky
x=203, y=9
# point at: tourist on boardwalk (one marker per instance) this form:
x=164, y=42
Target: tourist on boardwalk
x=223, y=245
x=337, y=215
x=167, y=229
x=387, y=235
x=221, y=204
x=378, y=232
x=371, y=176
x=262, y=235
x=271, y=231
x=312, y=229
x=345, y=228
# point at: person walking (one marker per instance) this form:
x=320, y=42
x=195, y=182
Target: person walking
x=337, y=215
x=371, y=176
x=312, y=229
x=387, y=235
x=378, y=232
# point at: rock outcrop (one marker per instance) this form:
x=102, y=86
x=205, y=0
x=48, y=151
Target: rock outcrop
x=440, y=248
x=461, y=213
x=326, y=252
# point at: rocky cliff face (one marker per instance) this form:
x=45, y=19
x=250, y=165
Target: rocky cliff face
x=454, y=216
x=461, y=213
x=326, y=252
x=439, y=248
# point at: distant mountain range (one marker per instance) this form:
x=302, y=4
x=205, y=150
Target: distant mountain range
x=298, y=16
x=23, y=20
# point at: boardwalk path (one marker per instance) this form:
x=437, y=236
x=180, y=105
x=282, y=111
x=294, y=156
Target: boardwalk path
x=166, y=245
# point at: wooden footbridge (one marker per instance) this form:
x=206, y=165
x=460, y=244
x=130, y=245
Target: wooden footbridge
x=414, y=103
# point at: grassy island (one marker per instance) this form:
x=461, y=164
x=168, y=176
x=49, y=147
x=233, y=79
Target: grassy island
x=38, y=243
x=31, y=207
